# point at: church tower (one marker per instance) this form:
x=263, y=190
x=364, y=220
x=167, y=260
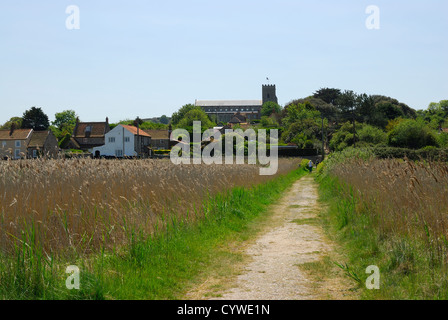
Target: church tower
x=269, y=93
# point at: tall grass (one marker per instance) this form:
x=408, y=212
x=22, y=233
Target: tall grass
x=394, y=214
x=79, y=210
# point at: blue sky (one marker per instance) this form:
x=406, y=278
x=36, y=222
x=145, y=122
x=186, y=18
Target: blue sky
x=147, y=58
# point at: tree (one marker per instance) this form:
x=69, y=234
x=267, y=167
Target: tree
x=268, y=122
x=328, y=110
x=195, y=115
x=164, y=119
x=444, y=105
x=371, y=135
x=329, y=95
x=63, y=125
x=137, y=122
x=300, y=112
x=64, y=118
x=408, y=112
x=366, y=107
x=347, y=103
x=389, y=110
x=7, y=125
x=269, y=108
x=180, y=114
x=35, y=119
x=302, y=125
x=412, y=134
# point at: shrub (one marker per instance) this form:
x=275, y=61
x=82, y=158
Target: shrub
x=443, y=139
x=411, y=134
x=371, y=135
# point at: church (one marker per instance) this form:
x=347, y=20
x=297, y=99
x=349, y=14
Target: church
x=225, y=110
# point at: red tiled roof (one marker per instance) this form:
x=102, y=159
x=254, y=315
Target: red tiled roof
x=133, y=130
x=18, y=134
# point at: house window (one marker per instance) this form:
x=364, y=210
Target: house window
x=17, y=153
x=111, y=139
x=119, y=153
x=127, y=139
x=4, y=144
x=18, y=144
x=34, y=153
x=88, y=129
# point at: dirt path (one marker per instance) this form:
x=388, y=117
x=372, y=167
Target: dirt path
x=291, y=259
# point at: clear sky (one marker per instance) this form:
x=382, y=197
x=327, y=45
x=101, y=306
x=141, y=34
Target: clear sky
x=147, y=58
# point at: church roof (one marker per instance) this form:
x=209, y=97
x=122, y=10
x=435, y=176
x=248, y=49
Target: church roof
x=228, y=103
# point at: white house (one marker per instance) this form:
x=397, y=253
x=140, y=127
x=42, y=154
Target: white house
x=124, y=141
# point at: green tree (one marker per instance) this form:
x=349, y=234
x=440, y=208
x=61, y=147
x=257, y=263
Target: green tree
x=329, y=95
x=371, y=135
x=35, y=119
x=268, y=122
x=64, y=118
x=63, y=125
x=195, y=115
x=7, y=125
x=366, y=107
x=300, y=112
x=344, y=137
x=408, y=112
x=180, y=114
x=269, y=108
x=389, y=110
x=412, y=134
x=444, y=105
x=348, y=103
x=164, y=119
x=302, y=125
x=137, y=122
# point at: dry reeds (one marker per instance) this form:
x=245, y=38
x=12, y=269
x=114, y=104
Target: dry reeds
x=88, y=204
x=404, y=198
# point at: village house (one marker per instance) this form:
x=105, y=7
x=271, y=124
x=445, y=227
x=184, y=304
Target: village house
x=238, y=119
x=14, y=143
x=27, y=143
x=160, y=139
x=88, y=135
x=43, y=143
x=124, y=141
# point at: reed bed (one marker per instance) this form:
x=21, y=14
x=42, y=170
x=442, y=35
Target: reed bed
x=395, y=215
x=85, y=205
x=405, y=197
